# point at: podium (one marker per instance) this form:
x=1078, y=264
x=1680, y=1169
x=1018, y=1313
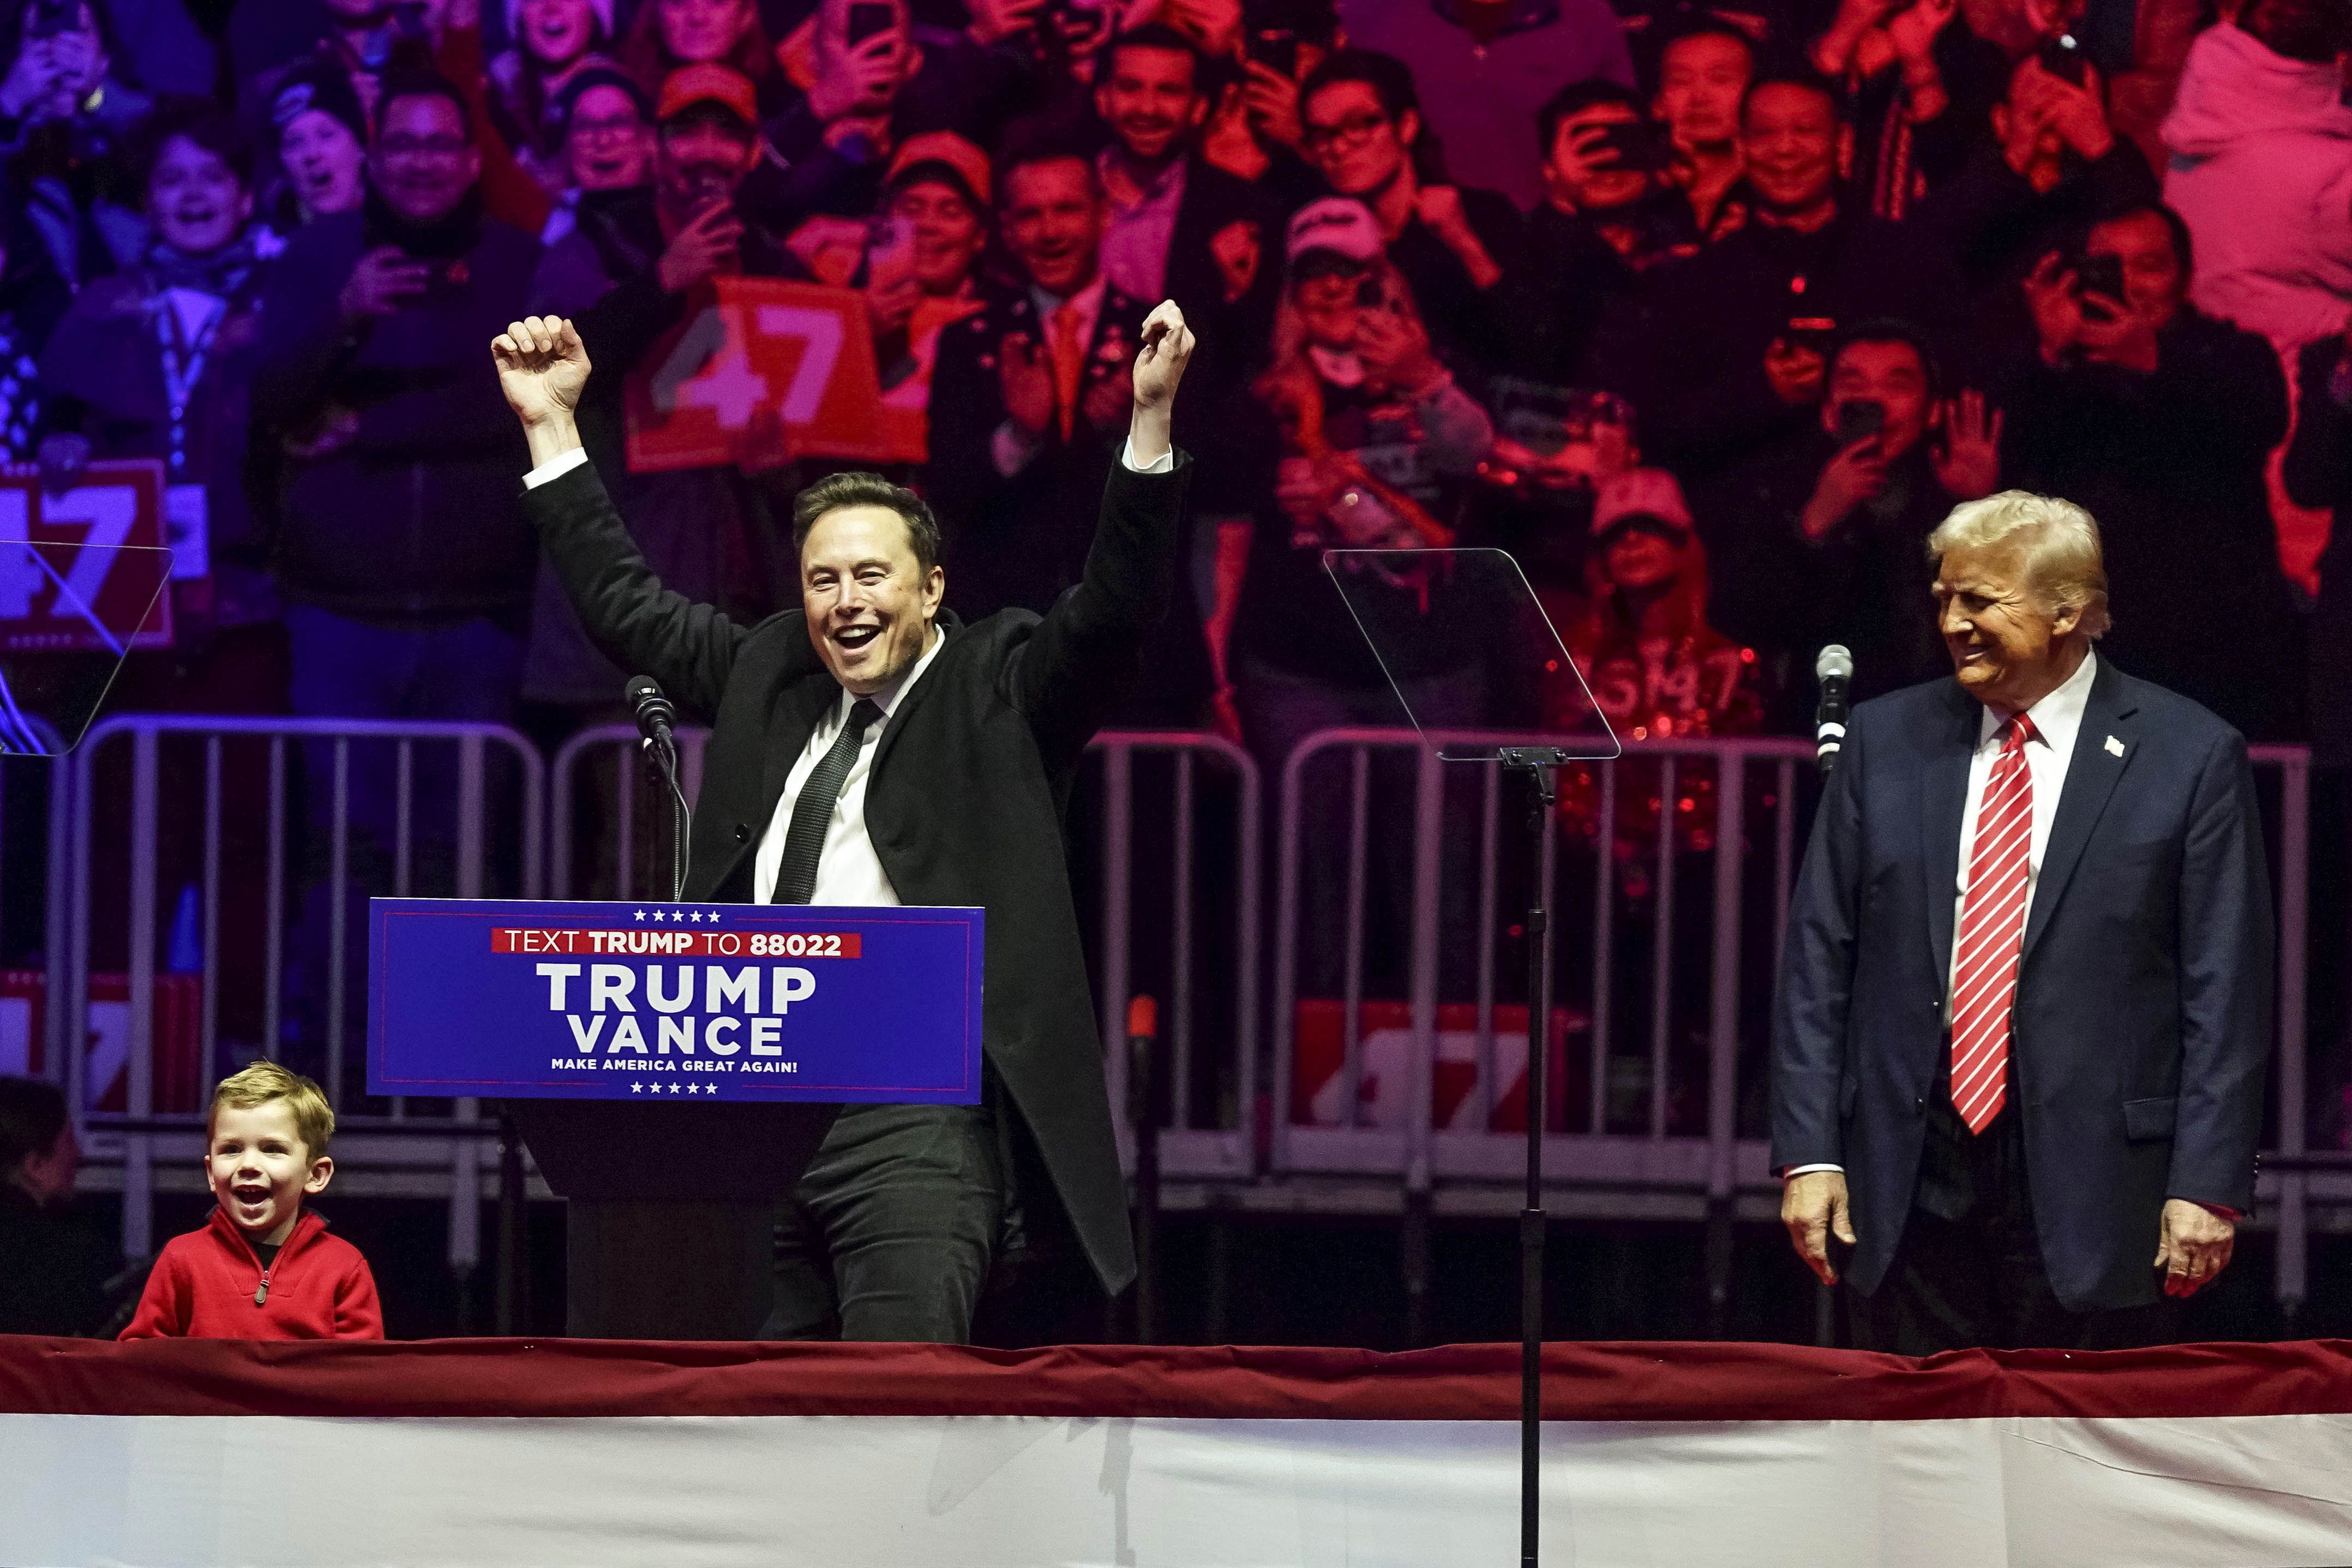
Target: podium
x=673, y=1067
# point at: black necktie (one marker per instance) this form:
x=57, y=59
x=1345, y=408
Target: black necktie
x=813, y=812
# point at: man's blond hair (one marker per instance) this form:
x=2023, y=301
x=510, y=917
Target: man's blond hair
x=2062, y=559
x=263, y=1082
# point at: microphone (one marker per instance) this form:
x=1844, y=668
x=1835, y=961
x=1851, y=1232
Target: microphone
x=655, y=718
x=1835, y=670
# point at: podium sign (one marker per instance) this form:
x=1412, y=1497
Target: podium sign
x=684, y=1003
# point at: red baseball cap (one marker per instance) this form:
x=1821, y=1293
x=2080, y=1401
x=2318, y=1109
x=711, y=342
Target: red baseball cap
x=706, y=83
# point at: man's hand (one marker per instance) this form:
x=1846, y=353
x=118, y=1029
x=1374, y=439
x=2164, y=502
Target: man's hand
x=2057, y=309
x=1271, y=101
x=1395, y=348
x=1025, y=378
x=994, y=21
x=1440, y=208
x=705, y=246
x=36, y=82
x=542, y=366
x=1237, y=249
x=1854, y=475
x=383, y=280
x=830, y=247
x=1101, y=404
x=1813, y=1207
x=863, y=80
x=2192, y=1246
x=1159, y=368
x=64, y=458
x=1795, y=373
x=2076, y=113
x=1913, y=30
x=1967, y=462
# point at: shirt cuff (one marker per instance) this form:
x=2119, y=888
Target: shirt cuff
x=1808, y=1170
x=1163, y=464
x=555, y=467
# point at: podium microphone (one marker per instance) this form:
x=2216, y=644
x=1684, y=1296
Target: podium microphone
x=655, y=718
x=1835, y=670
x=655, y=721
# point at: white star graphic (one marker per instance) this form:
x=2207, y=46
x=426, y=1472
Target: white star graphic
x=714, y=917
x=641, y=915
x=673, y=1088
x=635, y=1087
x=696, y=917
x=660, y=916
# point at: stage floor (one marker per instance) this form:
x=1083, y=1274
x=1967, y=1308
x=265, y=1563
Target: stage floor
x=513, y=1452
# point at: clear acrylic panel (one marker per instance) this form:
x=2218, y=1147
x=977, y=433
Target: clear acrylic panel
x=69, y=614
x=1433, y=614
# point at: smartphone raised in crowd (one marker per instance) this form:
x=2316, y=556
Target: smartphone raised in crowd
x=1860, y=420
x=1277, y=48
x=2100, y=275
x=2063, y=58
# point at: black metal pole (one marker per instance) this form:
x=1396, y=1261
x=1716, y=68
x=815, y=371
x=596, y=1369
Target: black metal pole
x=1543, y=788
x=1143, y=1117
x=514, y=1235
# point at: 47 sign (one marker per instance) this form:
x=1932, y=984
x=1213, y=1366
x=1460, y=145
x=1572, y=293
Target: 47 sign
x=84, y=569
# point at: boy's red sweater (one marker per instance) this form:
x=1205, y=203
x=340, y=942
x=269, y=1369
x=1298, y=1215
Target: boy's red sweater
x=204, y=1282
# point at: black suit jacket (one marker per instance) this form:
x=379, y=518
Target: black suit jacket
x=970, y=778
x=2142, y=1027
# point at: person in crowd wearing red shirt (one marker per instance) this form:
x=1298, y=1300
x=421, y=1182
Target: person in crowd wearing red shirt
x=262, y=1268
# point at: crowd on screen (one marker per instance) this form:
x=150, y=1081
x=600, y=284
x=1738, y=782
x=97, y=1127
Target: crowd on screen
x=1708, y=313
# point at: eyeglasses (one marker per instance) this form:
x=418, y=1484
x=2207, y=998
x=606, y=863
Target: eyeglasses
x=422, y=146
x=1355, y=127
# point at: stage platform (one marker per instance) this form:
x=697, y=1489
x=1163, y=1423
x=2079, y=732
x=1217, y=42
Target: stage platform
x=640, y=1455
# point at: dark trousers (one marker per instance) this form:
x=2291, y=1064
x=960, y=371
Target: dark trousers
x=1968, y=1271
x=890, y=1232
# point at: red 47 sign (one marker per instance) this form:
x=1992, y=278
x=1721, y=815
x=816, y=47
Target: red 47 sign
x=767, y=370
x=84, y=569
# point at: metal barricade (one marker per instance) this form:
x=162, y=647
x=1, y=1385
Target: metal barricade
x=1197, y=1141
x=1690, y=1166
x=366, y=1136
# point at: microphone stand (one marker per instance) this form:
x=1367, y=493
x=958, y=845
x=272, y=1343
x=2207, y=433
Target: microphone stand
x=1540, y=764
x=661, y=750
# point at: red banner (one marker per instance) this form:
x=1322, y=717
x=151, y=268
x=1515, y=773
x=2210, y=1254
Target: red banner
x=84, y=569
x=762, y=371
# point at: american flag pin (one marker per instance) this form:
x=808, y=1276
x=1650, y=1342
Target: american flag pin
x=2114, y=746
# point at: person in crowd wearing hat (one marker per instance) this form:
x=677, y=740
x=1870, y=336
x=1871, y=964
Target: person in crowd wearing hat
x=1358, y=438
x=321, y=134
x=1646, y=658
x=638, y=262
x=1823, y=538
x=399, y=546
x=601, y=124
x=671, y=35
x=554, y=41
x=922, y=262
x=1027, y=393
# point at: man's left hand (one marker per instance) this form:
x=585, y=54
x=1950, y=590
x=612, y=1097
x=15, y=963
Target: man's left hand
x=2192, y=1246
x=1160, y=363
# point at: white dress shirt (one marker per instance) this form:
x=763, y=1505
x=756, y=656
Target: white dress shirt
x=847, y=868
x=2057, y=719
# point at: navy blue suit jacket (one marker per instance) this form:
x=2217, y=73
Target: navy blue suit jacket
x=2142, y=1027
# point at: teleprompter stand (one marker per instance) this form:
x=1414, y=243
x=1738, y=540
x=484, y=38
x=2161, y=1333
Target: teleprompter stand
x=1429, y=616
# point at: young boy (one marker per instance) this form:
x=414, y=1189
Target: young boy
x=262, y=1269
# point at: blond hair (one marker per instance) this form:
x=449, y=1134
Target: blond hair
x=263, y=1082
x=2062, y=559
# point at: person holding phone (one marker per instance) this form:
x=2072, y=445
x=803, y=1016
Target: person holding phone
x=1819, y=541
x=1603, y=223
x=2163, y=417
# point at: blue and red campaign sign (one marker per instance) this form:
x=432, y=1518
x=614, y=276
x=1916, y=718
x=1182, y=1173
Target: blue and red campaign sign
x=634, y=1000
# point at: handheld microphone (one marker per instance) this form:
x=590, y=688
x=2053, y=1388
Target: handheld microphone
x=655, y=718
x=1835, y=670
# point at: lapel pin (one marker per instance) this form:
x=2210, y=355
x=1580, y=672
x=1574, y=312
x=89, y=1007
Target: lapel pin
x=2114, y=746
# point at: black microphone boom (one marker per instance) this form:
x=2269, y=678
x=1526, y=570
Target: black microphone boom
x=657, y=721
x=1835, y=670
x=655, y=718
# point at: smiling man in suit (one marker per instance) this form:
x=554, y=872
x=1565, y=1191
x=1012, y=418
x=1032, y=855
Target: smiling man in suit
x=869, y=748
x=2024, y=1009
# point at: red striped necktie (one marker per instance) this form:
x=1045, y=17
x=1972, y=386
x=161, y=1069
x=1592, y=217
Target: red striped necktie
x=1992, y=932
